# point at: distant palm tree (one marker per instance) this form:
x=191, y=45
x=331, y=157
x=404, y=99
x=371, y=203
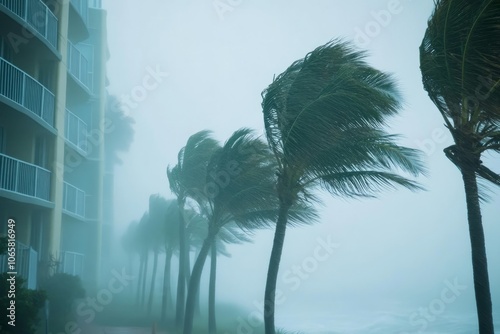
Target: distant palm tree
x=238, y=188
x=228, y=234
x=185, y=179
x=324, y=119
x=171, y=239
x=459, y=60
x=144, y=248
x=158, y=210
x=130, y=243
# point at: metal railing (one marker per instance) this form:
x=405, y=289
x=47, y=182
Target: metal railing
x=26, y=264
x=25, y=91
x=72, y=263
x=79, y=66
x=76, y=131
x=24, y=178
x=82, y=8
x=37, y=15
x=73, y=200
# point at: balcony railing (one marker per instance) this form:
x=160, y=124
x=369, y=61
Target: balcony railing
x=25, y=91
x=82, y=8
x=37, y=15
x=79, y=66
x=25, y=266
x=76, y=131
x=24, y=178
x=74, y=200
x=72, y=263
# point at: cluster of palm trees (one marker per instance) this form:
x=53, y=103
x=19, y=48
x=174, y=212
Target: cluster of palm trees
x=325, y=120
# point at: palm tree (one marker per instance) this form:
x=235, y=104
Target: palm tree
x=130, y=243
x=324, y=119
x=238, y=188
x=459, y=58
x=158, y=209
x=185, y=178
x=171, y=239
x=228, y=234
x=142, y=237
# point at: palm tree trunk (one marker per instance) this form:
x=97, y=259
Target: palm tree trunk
x=194, y=284
x=153, y=281
x=212, y=326
x=181, y=280
x=139, y=282
x=479, y=261
x=165, y=300
x=272, y=273
x=197, y=310
x=144, y=278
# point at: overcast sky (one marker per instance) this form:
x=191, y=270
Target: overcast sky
x=399, y=248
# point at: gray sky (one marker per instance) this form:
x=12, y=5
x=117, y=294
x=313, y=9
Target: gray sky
x=397, y=249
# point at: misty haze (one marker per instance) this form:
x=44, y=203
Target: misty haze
x=249, y=167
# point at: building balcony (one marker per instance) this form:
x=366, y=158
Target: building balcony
x=37, y=17
x=26, y=264
x=73, y=201
x=26, y=94
x=79, y=67
x=72, y=263
x=22, y=178
x=75, y=132
x=78, y=18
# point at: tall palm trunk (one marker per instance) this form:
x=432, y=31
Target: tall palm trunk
x=166, y=297
x=144, y=278
x=153, y=281
x=181, y=280
x=479, y=261
x=194, y=284
x=197, y=309
x=212, y=325
x=139, y=282
x=274, y=264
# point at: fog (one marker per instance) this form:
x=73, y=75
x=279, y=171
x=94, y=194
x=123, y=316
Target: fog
x=368, y=265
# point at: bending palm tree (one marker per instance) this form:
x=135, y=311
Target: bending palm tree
x=459, y=60
x=229, y=234
x=324, y=119
x=185, y=179
x=244, y=194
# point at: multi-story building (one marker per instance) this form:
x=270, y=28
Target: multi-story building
x=53, y=55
